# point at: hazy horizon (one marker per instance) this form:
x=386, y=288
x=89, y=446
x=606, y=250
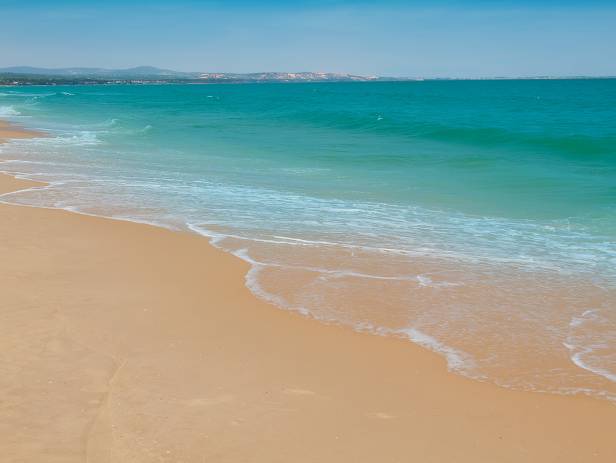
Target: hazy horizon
x=442, y=39
x=295, y=71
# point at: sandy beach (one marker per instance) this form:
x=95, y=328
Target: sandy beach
x=123, y=342
x=8, y=131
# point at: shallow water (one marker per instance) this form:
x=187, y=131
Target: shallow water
x=477, y=218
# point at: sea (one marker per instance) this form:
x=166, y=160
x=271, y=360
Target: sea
x=474, y=218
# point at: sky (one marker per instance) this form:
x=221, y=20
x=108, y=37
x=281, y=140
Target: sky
x=437, y=38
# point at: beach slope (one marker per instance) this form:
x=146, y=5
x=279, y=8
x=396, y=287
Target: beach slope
x=122, y=342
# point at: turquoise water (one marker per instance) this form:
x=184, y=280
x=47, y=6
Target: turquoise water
x=477, y=218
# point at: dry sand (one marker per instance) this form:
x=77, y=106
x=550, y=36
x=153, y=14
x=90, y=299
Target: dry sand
x=122, y=342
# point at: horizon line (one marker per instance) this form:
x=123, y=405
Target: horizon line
x=6, y=69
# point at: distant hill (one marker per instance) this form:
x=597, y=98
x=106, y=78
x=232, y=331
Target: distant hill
x=285, y=77
x=27, y=75
x=145, y=74
x=136, y=72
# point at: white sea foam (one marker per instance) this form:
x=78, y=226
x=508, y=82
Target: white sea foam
x=8, y=111
x=217, y=238
x=592, y=343
x=81, y=138
x=456, y=360
x=254, y=285
x=425, y=280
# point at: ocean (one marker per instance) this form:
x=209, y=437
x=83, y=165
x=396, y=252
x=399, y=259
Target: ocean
x=475, y=218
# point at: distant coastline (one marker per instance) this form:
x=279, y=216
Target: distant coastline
x=144, y=75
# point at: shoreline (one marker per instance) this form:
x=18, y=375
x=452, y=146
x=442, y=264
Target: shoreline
x=9, y=130
x=129, y=342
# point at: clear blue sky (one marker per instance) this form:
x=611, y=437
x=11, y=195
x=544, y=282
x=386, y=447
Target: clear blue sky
x=389, y=37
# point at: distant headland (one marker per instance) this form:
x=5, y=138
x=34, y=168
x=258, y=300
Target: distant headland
x=26, y=75
x=23, y=75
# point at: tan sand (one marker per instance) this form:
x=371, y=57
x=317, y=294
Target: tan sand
x=122, y=342
x=8, y=130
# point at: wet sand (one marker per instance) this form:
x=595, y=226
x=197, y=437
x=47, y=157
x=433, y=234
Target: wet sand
x=122, y=342
x=8, y=131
